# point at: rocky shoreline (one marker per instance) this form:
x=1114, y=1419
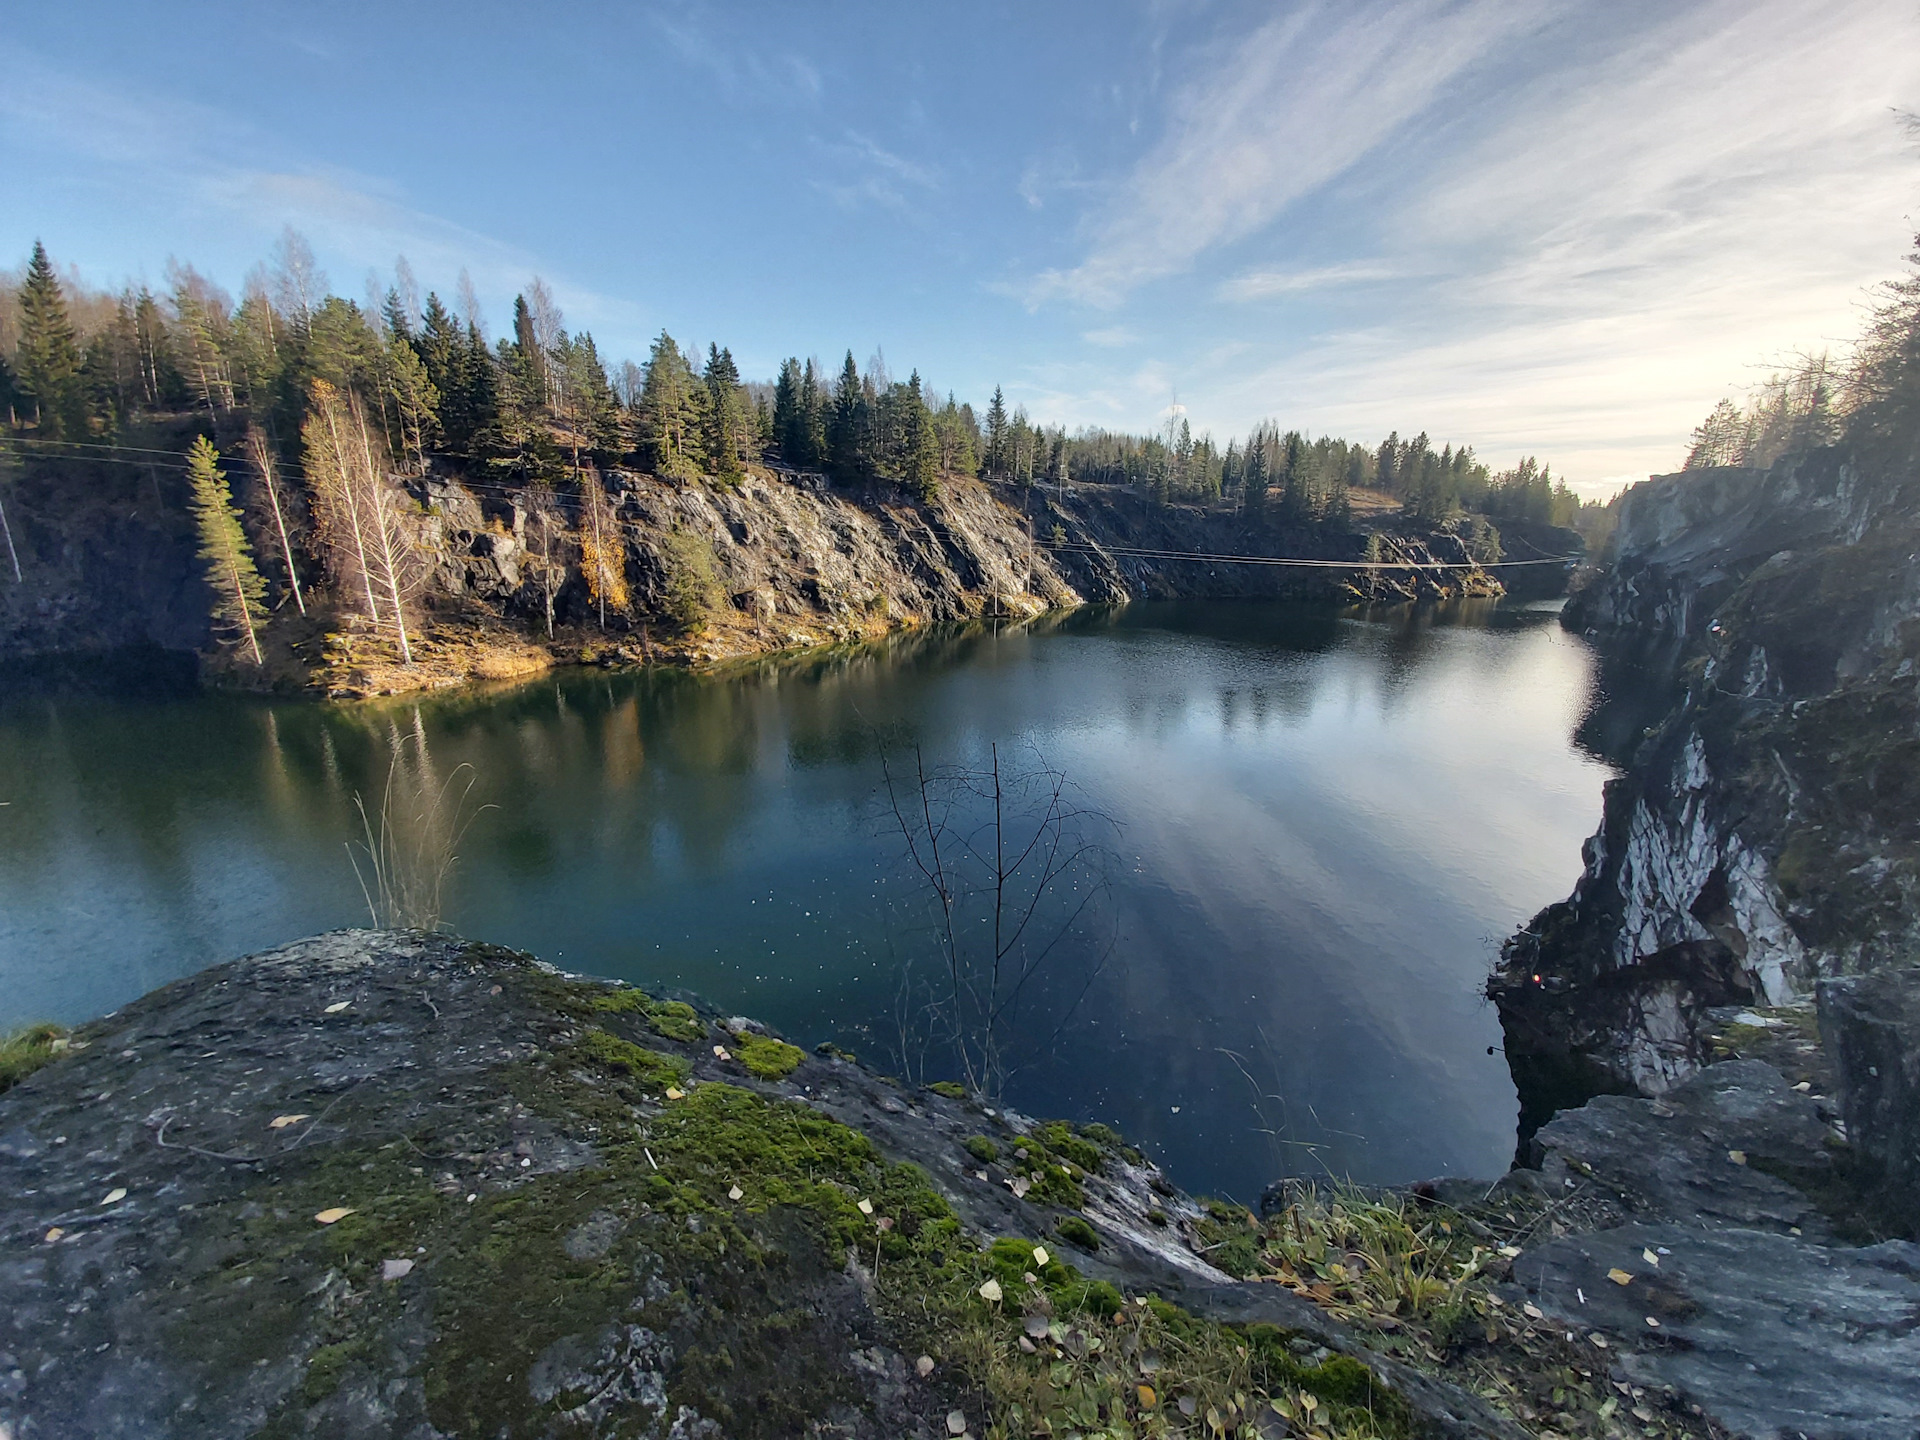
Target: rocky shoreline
x=780, y=561
x=395, y=1184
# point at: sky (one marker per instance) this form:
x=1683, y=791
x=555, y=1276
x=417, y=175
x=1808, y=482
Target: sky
x=1551, y=227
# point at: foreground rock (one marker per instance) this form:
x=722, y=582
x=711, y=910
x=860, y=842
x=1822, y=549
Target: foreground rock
x=380, y=1184
x=1692, y=1267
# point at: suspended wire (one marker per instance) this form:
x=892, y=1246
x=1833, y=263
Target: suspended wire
x=176, y=462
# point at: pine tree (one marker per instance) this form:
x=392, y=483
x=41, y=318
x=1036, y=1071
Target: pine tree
x=239, y=592
x=667, y=412
x=789, y=420
x=47, y=359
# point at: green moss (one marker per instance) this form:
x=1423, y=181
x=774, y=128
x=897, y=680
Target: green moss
x=325, y=1366
x=982, y=1149
x=648, y=1066
x=952, y=1089
x=1077, y=1231
x=1059, y=1138
x=673, y=1019
x=25, y=1051
x=767, y=1057
x=677, y=1021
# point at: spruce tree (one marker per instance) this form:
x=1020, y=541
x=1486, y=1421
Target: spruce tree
x=997, y=435
x=845, y=450
x=920, y=449
x=724, y=417
x=239, y=594
x=789, y=421
x=47, y=359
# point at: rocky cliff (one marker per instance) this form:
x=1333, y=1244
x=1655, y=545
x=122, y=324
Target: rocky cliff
x=1759, y=634
x=780, y=560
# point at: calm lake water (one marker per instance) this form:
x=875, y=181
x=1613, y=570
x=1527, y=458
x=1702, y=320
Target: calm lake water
x=1324, y=824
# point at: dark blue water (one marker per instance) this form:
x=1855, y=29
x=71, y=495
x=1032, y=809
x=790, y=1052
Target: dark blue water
x=1322, y=825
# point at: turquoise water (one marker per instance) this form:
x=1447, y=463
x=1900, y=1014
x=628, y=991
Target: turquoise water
x=1322, y=825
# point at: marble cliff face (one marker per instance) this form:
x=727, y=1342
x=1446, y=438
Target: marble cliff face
x=1759, y=633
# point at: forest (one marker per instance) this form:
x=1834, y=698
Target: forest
x=337, y=408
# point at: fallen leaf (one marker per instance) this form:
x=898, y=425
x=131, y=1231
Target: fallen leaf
x=956, y=1423
x=338, y=1006
x=1214, y=1422
x=1619, y=1276
x=1652, y=1324
x=885, y=1222
x=54, y=1234
x=1643, y=1414
x=1802, y=1087
x=395, y=1269
x=1534, y=1312
x=990, y=1292
x=1598, y=1339
x=866, y=1207
x=1040, y=1256
x=338, y=1212
x=1649, y=1257
x=1027, y=1346
x=1188, y=1405
x=1020, y=1185
x=720, y=1052
x=924, y=1365
x=674, y=1092
x=115, y=1196
x=736, y=1193
x=280, y=1122
x=1739, y=1157
x=1510, y=1251
x=1036, y=1326
x=1147, y=1398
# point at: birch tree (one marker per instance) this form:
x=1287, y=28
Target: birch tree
x=603, y=554
x=337, y=502
x=260, y=454
x=239, y=592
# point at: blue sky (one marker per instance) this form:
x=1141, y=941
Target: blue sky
x=1551, y=226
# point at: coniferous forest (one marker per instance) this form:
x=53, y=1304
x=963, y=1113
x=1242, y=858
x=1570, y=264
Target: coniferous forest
x=335, y=411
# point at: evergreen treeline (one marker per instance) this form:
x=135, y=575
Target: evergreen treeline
x=1870, y=400
x=340, y=406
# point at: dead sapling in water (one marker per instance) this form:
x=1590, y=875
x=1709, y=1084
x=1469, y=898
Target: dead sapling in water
x=1015, y=872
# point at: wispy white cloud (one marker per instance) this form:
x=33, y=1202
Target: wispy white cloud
x=1264, y=121
x=1636, y=225
x=867, y=173
x=742, y=70
x=1111, y=337
x=1264, y=284
x=191, y=158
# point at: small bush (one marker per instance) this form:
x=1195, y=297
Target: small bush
x=25, y=1051
x=952, y=1089
x=983, y=1149
x=693, y=584
x=767, y=1057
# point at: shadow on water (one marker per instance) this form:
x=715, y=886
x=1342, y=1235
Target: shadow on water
x=1326, y=819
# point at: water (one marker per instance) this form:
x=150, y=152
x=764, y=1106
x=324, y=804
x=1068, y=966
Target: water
x=1325, y=825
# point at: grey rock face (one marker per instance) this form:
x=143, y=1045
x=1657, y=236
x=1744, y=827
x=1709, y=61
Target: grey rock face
x=1687, y=1156
x=1765, y=830
x=1871, y=1026
x=1771, y=1335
